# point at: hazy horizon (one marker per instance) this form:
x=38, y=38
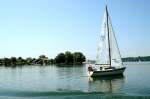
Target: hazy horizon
x=30, y=28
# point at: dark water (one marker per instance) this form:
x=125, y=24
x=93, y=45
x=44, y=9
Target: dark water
x=49, y=82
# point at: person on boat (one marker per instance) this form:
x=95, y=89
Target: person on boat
x=90, y=68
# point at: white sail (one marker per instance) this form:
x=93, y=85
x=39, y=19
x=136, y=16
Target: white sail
x=103, y=56
x=115, y=53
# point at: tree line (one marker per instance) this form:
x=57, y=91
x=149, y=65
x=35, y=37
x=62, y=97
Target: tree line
x=70, y=58
x=136, y=59
x=61, y=58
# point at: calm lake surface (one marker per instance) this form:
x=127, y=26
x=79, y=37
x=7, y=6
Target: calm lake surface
x=49, y=82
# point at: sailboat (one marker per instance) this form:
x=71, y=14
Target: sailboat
x=108, y=61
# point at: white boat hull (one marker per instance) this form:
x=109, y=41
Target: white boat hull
x=111, y=72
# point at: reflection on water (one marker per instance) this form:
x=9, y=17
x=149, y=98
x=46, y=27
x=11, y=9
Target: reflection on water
x=49, y=80
x=106, y=84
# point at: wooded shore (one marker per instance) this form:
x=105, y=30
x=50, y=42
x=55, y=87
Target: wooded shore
x=66, y=58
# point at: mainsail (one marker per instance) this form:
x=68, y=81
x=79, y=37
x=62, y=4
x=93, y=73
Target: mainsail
x=108, y=51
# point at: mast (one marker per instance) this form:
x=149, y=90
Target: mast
x=109, y=50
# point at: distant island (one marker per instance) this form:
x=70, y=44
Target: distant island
x=66, y=58
x=128, y=59
x=136, y=59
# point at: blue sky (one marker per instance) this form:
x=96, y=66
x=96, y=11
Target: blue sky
x=36, y=27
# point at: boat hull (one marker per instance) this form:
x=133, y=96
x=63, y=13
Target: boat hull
x=112, y=72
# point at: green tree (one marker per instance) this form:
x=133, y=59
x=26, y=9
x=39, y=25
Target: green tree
x=29, y=61
x=68, y=57
x=78, y=58
x=20, y=61
x=1, y=62
x=13, y=61
x=60, y=58
x=7, y=62
x=51, y=61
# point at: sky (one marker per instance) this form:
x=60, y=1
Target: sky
x=29, y=28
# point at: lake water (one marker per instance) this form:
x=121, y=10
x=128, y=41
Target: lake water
x=49, y=82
